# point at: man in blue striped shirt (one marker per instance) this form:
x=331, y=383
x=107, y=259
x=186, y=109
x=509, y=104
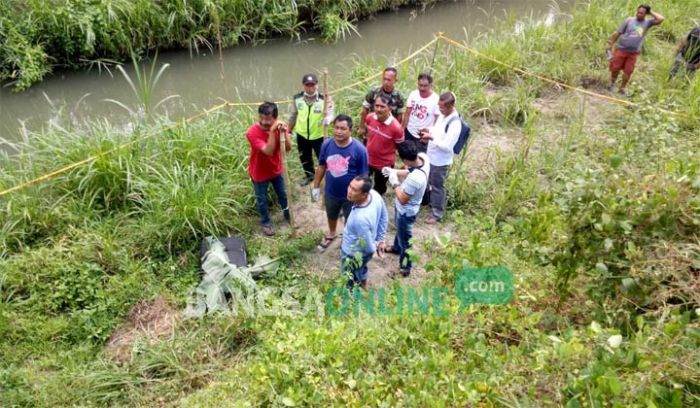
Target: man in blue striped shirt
x=364, y=231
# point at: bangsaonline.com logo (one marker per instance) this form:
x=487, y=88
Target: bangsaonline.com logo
x=486, y=285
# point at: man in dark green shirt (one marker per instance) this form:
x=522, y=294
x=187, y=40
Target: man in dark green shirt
x=396, y=101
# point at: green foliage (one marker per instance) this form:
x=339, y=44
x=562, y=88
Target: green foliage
x=222, y=279
x=38, y=35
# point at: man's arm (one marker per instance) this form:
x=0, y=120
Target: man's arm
x=658, y=18
x=406, y=116
x=364, y=241
x=362, y=129
x=363, y=162
x=318, y=176
x=407, y=189
x=271, y=144
x=366, y=105
x=273, y=134
x=400, y=108
x=383, y=223
x=613, y=39
x=401, y=195
x=399, y=136
x=447, y=142
x=293, y=116
x=399, y=118
x=287, y=139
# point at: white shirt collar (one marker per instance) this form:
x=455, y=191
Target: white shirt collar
x=454, y=113
x=387, y=121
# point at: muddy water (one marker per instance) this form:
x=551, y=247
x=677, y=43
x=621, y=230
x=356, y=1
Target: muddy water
x=251, y=73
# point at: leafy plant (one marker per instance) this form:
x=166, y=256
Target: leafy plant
x=144, y=87
x=223, y=281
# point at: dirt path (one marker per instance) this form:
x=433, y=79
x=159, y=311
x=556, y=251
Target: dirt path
x=310, y=216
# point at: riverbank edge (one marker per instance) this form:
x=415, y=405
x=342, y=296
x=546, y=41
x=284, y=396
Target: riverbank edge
x=40, y=35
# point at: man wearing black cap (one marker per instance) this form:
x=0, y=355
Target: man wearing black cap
x=306, y=119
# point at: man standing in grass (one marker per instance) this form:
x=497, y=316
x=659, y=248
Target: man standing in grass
x=306, y=119
x=265, y=165
x=391, y=94
x=384, y=132
x=421, y=112
x=441, y=140
x=342, y=159
x=631, y=34
x=364, y=231
x=409, y=194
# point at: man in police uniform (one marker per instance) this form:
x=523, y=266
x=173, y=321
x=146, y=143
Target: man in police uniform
x=306, y=120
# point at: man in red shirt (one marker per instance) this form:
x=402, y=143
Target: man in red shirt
x=384, y=132
x=265, y=165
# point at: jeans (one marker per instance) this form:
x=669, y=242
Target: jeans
x=438, y=197
x=402, y=240
x=349, y=265
x=261, y=198
x=307, y=148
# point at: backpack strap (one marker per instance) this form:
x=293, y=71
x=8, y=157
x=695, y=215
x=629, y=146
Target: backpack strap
x=421, y=170
x=452, y=119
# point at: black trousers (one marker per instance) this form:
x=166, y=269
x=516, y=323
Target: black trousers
x=379, y=183
x=307, y=148
x=422, y=147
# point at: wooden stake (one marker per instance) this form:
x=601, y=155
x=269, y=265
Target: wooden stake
x=325, y=102
x=325, y=126
x=287, y=181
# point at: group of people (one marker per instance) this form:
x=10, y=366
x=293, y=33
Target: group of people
x=424, y=129
x=629, y=38
x=359, y=171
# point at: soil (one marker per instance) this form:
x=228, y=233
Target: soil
x=147, y=320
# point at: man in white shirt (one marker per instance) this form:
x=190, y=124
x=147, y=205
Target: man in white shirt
x=421, y=111
x=441, y=140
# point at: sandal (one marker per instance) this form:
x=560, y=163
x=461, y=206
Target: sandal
x=326, y=242
x=390, y=250
x=268, y=230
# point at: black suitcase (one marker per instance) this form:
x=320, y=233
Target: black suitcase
x=235, y=249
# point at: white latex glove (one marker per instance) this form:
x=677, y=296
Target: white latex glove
x=315, y=194
x=393, y=178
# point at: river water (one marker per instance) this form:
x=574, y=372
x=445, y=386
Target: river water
x=271, y=71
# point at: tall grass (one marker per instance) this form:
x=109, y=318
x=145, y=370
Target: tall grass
x=38, y=35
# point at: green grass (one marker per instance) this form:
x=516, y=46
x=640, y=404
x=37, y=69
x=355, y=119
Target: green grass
x=596, y=212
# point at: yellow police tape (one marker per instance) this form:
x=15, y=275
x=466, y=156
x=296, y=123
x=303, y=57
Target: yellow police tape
x=369, y=78
x=439, y=36
x=190, y=119
x=559, y=83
